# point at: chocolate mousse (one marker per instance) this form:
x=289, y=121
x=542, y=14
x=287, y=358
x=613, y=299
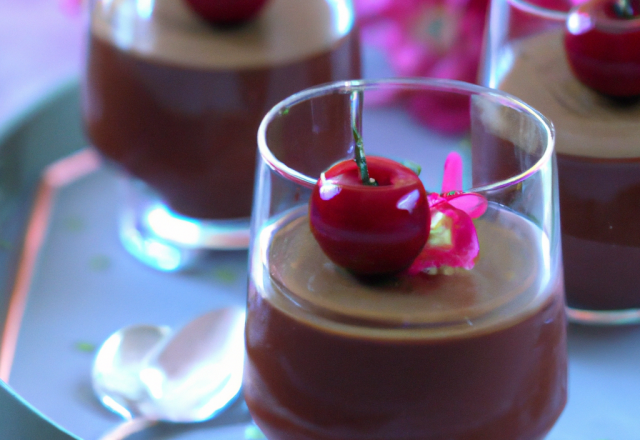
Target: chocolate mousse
x=467, y=355
x=599, y=173
x=176, y=101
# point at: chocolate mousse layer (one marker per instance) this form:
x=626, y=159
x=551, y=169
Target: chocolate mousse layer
x=599, y=173
x=177, y=102
x=472, y=355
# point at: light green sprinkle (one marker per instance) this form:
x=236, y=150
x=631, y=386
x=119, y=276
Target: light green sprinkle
x=74, y=224
x=85, y=347
x=225, y=275
x=100, y=263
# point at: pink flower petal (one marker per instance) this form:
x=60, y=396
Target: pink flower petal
x=473, y=204
x=453, y=241
x=452, y=180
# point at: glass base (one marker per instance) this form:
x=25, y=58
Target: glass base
x=167, y=241
x=604, y=317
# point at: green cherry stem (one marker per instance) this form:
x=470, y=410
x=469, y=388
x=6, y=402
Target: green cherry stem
x=356, y=126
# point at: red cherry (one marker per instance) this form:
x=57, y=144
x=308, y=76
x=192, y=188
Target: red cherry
x=370, y=230
x=602, y=47
x=227, y=12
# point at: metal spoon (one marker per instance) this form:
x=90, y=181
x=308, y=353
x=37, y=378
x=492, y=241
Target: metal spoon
x=147, y=374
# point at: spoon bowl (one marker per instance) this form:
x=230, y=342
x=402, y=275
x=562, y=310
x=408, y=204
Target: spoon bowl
x=116, y=368
x=151, y=373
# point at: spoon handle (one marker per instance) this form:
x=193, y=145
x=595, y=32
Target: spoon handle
x=127, y=428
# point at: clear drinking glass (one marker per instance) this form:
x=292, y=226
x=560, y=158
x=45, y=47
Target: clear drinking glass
x=460, y=354
x=175, y=102
x=598, y=157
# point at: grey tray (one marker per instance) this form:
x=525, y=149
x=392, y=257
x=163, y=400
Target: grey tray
x=67, y=284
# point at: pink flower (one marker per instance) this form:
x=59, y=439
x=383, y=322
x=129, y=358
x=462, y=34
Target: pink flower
x=429, y=38
x=453, y=240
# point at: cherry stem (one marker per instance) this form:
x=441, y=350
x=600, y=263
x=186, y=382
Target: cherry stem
x=624, y=9
x=356, y=127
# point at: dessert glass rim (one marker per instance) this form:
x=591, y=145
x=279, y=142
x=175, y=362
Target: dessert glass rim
x=540, y=11
x=437, y=84
x=576, y=24
x=603, y=21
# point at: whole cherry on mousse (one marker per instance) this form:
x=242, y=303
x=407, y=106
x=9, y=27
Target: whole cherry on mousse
x=366, y=229
x=227, y=12
x=602, y=38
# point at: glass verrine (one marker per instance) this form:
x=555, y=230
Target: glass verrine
x=597, y=150
x=457, y=354
x=175, y=102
